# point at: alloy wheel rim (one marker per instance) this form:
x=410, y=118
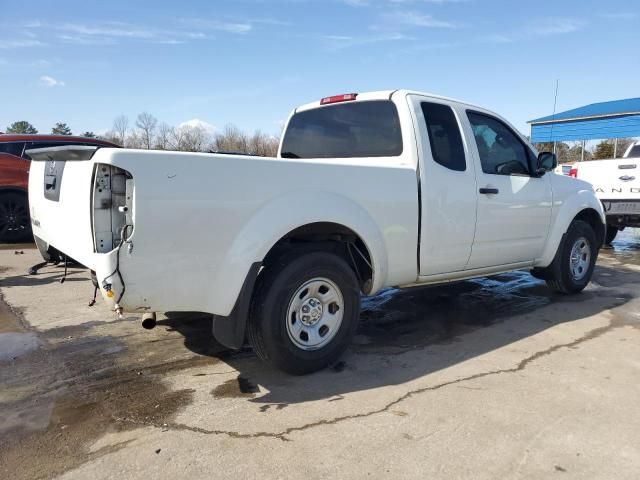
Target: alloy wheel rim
x=13, y=218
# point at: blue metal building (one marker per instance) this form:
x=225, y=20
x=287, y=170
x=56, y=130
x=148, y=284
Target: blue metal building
x=605, y=120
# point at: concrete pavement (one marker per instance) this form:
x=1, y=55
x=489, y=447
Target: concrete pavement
x=493, y=378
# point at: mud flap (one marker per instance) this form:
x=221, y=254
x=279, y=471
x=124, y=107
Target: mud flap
x=229, y=331
x=550, y=271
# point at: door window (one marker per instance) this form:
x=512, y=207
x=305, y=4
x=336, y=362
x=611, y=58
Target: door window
x=444, y=136
x=12, y=148
x=501, y=151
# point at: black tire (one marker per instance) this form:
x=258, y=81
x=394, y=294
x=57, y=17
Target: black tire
x=15, y=223
x=559, y=276
x=267, y=328
x=612, y=231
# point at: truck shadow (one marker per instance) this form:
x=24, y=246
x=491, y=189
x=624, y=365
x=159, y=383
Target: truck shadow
x=49, y=274
x=408, y=334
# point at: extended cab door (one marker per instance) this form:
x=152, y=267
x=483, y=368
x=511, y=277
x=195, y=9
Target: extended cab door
x=514, y=206
x=448, y=186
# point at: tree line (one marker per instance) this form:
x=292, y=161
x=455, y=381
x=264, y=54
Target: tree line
x=59, y=128
x=147, y=132
x=568, y=153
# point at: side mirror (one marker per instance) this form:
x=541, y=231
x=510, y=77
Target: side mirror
x=547, y=162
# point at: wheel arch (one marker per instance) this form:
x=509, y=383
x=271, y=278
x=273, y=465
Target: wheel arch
x=332, y=237
x=320, y=217
x=317, y=236
x=320, y=221
x=583, y=205
x=592, y=217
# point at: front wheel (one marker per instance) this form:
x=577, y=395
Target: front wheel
x=305, y=311
x=575, y=260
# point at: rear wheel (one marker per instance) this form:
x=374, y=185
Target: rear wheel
x=304, y=312
x=15, y=224
x=575, y=260
x=612, y=231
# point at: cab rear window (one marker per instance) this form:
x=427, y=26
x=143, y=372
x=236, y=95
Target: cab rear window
x=358, y=129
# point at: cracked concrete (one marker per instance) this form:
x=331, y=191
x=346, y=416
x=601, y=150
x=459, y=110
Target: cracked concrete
x=284, y=435
x=485, y=379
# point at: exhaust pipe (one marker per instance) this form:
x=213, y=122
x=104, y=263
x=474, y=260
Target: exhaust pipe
x=149, y=321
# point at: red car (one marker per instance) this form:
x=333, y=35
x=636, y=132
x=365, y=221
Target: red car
x=15, y=224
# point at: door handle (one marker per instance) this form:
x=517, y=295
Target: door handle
x=488, y=191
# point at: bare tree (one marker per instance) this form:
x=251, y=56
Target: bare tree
x=121, y=128
x=263, y=145
x=195, y=139
x=231, y=139
x=561, y=149
x=135, y=139
x=146, y=124
x=574, y=154
x=163, y=138
x=188, y=138
x=110, y=136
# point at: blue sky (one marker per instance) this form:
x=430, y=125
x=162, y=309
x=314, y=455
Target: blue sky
x=249, y=62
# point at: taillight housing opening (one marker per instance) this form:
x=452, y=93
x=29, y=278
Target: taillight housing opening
x=345, y=97
x=112, y=206
x=573, y=173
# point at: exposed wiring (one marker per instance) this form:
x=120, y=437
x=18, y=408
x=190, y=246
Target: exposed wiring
x=362, y=255
x=95, y=294
x=352, y=245
x=353, y=261
x=117, y=269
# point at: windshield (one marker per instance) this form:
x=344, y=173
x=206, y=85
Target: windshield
x=359, y=129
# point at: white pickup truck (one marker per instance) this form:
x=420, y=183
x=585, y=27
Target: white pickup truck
x=370, y=190
x=617, y=184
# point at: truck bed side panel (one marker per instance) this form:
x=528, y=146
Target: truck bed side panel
x=201, y=220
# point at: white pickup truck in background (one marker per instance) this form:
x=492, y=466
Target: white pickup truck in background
x=617, y=184
x=371, y=190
